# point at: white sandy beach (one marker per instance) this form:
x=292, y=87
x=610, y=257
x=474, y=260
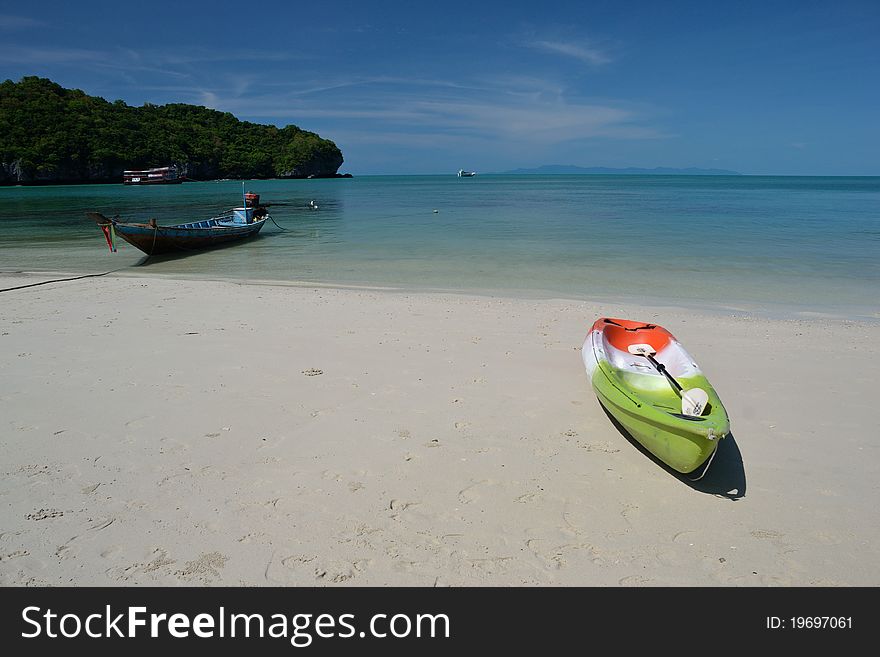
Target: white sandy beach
x=164, y=432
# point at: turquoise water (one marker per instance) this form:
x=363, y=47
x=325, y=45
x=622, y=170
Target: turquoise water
x=806, y=244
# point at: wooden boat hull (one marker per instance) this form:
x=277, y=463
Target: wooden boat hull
x=643, y=401
x=152, y=239
x=169, y=239
x=161, y=181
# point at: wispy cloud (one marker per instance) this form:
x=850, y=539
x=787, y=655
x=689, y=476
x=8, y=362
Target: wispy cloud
x=203, y=56
x=49, y=55
x=8, y=22
x=130, y=59
x=582, y=51
x=529, y=111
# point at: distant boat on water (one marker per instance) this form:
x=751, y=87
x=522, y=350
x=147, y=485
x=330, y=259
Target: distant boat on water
x=157, y=176
x=466, y=174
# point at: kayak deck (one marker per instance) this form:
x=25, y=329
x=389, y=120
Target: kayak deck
x=644, y=402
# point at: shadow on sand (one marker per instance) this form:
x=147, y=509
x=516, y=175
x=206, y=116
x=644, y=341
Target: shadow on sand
x=725, y=476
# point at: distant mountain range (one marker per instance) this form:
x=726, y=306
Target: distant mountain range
x=548, y=169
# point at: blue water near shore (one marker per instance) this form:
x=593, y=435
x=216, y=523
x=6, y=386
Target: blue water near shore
x=798, y=244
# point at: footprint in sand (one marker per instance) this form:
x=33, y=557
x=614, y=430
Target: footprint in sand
x=44, y=514
x=490, y=565
x=766, y=533
x=296, y=561
x=252, y=537
x=92, y=527
x=683, y=536
x=159, y=561
x=527, y=498
x=138, y=422
x=111, y=552
x=556, y=558
x=205, y=569
x=34, y=469
x=629, y=511
x=337, y=572
x=606, y=447
x=468, y=494
x=401, y=505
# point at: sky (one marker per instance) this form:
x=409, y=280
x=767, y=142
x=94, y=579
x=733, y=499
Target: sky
x=769, y=87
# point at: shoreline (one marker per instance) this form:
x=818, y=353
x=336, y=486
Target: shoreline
x=115, y=181
x=759, y=310
x=186, y=432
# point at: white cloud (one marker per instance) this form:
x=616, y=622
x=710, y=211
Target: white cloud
x=583, y=52
x=527, y=112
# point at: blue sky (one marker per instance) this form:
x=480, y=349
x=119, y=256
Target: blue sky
x=411, y=87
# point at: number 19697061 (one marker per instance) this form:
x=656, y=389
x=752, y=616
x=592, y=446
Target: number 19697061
x=810, y=623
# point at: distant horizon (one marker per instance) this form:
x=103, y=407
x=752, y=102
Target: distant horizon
x=684, y=175
x=550, y=169
x=767, y=88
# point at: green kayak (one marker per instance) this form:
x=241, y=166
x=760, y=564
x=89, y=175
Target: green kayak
x=648, y=382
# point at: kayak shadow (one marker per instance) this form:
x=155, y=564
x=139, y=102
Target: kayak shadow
x=724, y=477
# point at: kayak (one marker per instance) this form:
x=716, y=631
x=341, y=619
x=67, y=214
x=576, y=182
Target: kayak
x=647, y=382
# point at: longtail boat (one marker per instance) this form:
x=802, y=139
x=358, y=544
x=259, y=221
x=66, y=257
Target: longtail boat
x=153, y=239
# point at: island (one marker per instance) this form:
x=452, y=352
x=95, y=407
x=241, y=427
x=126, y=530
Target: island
x=53, y=135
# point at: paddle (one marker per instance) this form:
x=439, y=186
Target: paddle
x=693, y=401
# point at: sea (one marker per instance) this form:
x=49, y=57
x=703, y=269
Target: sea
x=787, y=246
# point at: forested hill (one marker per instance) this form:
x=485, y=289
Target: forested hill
x=49, y=134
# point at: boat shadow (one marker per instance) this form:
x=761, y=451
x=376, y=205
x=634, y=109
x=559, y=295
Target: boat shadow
x=725, y=477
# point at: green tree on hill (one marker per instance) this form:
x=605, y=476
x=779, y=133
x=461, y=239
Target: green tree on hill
x=52, y=134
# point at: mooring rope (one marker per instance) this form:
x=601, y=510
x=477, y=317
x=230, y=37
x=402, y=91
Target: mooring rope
x=76, y=278
x=275, y=222
x=61, y=280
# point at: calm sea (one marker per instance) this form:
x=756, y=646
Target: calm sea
x=794, y=244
